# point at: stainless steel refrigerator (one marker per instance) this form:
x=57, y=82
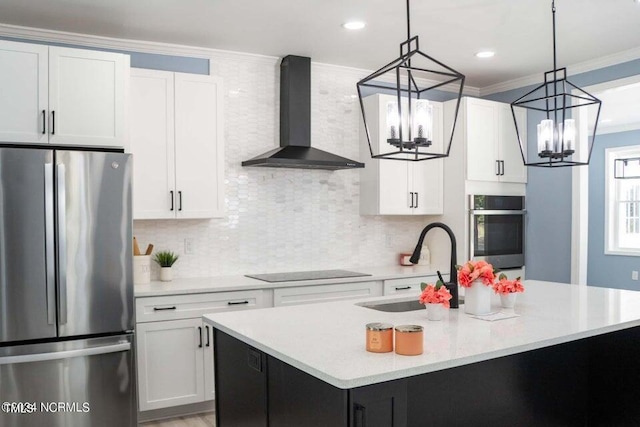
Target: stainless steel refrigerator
x=66, y=289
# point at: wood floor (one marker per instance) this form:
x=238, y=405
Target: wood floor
x=200, y=420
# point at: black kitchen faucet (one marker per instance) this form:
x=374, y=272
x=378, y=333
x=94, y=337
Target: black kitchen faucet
x=452, y=285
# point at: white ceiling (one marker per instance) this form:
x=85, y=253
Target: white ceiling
x=620, y=109
x=451, y=31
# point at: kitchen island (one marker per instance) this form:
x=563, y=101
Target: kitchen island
x=569, y=358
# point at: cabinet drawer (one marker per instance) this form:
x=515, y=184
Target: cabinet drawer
x=325, y=293
x=410, y=285
x=172, y=307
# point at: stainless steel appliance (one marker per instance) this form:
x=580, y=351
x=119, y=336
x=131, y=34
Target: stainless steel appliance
x=66, y=289
x=496, y=230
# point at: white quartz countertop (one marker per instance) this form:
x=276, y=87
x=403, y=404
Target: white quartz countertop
x=327, y=340
x=241, y=283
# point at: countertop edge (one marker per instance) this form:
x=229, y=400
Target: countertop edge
x=424, y=369
x=198, y=285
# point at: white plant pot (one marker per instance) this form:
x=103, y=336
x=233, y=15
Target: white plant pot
x=477, y=298
x=435, y=311
x=166, y=275
x=508, y=300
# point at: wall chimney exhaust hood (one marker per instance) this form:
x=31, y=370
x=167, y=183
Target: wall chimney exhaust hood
x=295, y=149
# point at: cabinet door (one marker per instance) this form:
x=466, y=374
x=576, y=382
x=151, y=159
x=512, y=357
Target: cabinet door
x=199, y=146
x=23, y=85
x=482, y=140
x=379, y=405
x=151, y=141
x=395, y=193
x=209, y=371
x=170, y=363
x=87, y=97
x=514, y=168
x=426, y=178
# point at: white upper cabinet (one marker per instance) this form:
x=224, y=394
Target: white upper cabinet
x=492, y=149
x=395, y=187
x=62, y=96
x=24, y=93
x=199, y=146
x=87, y=97
x=176, y=138
x=151, y=140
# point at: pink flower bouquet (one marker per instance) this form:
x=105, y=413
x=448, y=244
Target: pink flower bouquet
x=472, y=270
x=504, y=286
x=435, y=294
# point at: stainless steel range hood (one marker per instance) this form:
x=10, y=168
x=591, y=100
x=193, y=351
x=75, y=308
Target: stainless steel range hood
x=295, y=149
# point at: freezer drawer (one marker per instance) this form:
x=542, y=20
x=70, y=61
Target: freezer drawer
x=82, y=383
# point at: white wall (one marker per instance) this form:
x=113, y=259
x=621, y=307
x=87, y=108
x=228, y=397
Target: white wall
x=286, y=219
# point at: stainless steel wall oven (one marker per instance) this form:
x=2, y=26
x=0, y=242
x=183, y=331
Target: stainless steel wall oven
x=496, y=230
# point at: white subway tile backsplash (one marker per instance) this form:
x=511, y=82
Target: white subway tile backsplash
x=284, y=219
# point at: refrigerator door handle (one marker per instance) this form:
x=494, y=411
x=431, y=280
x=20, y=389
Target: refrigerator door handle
x=49, y=244
x=62, y=244
x=58, y=355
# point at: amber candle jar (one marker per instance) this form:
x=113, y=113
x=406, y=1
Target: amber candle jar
x=409, y=339
x=379, y=337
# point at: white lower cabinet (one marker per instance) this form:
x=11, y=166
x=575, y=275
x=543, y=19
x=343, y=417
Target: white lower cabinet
x=171, y=363
x=325, y=293
x=409, y=285
x=174, y=347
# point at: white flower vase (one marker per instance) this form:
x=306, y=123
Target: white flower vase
x=166, y=275
x=508, y=300
x=435, y=311
x=477, y=298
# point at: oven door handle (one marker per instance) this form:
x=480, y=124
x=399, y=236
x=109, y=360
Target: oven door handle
x=497, y=212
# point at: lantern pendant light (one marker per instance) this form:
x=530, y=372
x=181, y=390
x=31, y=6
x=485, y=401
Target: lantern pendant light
x=556, y=104
x=399, y=118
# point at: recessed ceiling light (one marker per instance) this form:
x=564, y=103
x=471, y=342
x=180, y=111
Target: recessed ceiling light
x=485, y=54
x=606, y=121
x=353, y=25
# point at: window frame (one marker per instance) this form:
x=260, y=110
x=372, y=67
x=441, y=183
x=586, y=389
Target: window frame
x=611, y=237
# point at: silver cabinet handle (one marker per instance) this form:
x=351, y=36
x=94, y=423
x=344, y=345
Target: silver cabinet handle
x=57, y=355
x=49, y=244
x=62, y=244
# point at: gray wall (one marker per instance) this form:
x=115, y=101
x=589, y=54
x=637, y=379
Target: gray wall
x=548, y=244
x=612, y=271
x=180, y=64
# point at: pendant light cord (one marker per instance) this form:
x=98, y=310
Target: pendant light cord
x=408, y=22
x=555, y=66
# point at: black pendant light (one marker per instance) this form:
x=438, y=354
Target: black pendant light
x=396, y=109
x=627, y=168
x=556, y=105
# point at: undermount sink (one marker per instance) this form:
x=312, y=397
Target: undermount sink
x=398, y=306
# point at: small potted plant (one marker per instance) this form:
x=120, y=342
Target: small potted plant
x=165, y=259
x=477, y=277
x=507, y=289
x=435, y=299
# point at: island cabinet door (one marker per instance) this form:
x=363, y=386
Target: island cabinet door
x=241, y=383
x=298, y=399
x=379, y=405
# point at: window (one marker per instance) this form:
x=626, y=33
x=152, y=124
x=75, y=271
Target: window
x=622, y=218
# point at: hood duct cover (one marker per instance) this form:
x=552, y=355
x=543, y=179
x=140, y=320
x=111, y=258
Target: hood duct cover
x=295, y=149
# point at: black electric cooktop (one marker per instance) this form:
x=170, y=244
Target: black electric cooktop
x=305, y=275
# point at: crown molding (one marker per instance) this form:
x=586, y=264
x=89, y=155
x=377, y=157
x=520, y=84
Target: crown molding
x=39, y=34
x=582, y=67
